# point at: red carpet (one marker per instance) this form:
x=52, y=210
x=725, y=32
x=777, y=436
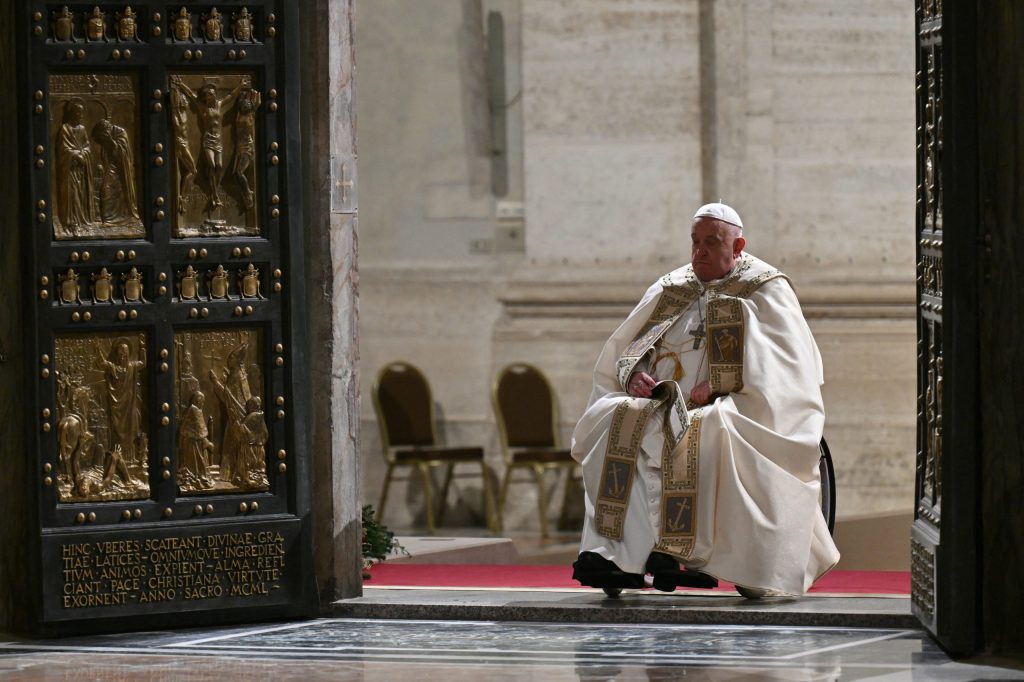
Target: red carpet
x=499, y=576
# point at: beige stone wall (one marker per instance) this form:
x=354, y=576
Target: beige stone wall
x=814, y=143
x=799, y=113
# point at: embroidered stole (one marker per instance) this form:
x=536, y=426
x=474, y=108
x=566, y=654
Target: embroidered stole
x=681, y=450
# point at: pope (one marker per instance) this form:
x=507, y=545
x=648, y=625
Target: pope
x=699, y=444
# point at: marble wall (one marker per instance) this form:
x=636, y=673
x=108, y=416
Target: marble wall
x=631, y=114
x=331, y=293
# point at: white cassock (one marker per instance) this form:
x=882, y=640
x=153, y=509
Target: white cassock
x=738, y=485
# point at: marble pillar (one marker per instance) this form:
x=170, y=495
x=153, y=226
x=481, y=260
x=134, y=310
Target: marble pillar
x=329, y=168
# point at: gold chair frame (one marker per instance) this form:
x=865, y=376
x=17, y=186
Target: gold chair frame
x=524, y=457
x=425, y=458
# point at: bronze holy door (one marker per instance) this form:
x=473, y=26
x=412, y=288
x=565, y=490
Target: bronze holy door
x=944, y=491
x=162, y=228
x=966, y=542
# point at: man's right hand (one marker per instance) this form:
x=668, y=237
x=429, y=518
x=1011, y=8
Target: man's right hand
x=640, y=385
x=701, y=393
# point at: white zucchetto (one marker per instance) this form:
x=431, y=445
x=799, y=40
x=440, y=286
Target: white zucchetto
x=727, y=214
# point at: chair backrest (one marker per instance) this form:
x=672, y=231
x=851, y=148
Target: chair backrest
x=828, y=486
x=404, y=406
x=525, y=407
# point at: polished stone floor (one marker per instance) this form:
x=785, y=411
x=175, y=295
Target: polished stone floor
x=349, y=650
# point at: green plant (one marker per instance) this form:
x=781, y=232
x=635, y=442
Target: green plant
x=378, y=541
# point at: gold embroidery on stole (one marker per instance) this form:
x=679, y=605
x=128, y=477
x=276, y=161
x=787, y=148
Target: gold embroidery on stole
x=681, y=452
x=675, y=300
x=625, y=434
x=725, y=345
x=679, y=467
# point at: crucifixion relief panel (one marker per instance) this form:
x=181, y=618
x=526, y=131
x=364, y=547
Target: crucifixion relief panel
x=213, y=125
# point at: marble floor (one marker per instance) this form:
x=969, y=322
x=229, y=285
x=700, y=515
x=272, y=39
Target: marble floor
x=349, y=650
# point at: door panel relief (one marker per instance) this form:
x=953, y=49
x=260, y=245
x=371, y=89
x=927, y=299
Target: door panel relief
x=103, y=446
x=222, y=432
x=94, y=132
x=213, y=122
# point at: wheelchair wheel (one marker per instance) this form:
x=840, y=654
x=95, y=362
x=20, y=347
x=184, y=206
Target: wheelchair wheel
x=828, y=486
x=612, y=592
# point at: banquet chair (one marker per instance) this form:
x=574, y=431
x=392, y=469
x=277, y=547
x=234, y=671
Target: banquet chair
x=405, y=414
x=527, y=416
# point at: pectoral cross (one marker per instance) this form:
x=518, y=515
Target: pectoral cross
x=698, y=335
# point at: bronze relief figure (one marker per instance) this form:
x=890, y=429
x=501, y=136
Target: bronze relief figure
x=227, y=452
x=245, y=142
x=251, y=471
x=209, y=108
x=102, y=287
x=132, y=286
x=76, y=198
x=95, y=174
x=185, y=163
x=213, y=120
x=188, y=383
x=194, y=447
x=96, y=27
x=121, y=372
x=188, y=284
x=183, y=26
x=69, y=289
x=64, y=25
x=243, y=26
x=218, y=284
x=102, y=444
x=213, y=29
x=127, y=25
x=118, y=202
x=250, y=281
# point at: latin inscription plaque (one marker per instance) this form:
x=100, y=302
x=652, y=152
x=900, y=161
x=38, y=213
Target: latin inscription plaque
x=146, y=570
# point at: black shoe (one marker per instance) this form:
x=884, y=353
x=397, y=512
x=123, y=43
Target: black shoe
x=668, y=575
x=593, y=570
x=665, y=571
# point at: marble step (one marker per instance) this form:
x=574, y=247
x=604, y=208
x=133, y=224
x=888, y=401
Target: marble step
x=591, y=606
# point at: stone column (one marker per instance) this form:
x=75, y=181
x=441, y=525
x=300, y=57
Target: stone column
x=329, y=155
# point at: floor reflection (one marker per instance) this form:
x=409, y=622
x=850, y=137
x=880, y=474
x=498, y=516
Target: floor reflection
x=393, y=650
